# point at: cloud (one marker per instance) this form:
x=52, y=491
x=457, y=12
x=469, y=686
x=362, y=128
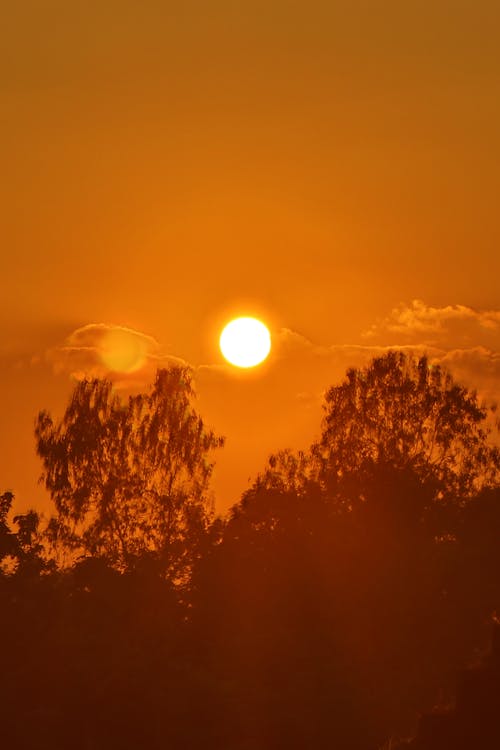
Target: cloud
x=337, y=358
x=477, y=366
x=435, y=324
x=122, y=354
x=464, y=340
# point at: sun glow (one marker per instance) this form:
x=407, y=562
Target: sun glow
x=245, y=342
x=123, y=351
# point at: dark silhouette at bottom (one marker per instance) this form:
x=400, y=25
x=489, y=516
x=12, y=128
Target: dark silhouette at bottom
x=474, y=722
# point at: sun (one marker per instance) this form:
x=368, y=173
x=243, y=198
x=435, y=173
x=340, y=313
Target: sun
x=245, y=342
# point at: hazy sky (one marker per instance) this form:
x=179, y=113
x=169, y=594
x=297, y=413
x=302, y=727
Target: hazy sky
x=168, y=165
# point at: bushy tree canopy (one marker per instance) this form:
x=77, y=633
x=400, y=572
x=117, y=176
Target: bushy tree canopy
x=404, y=412
x=400, y=412
x=131, y=478
x=21, y=550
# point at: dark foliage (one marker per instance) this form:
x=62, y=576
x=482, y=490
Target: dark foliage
x=130, y=479
x=398, y=412
x=331, y=606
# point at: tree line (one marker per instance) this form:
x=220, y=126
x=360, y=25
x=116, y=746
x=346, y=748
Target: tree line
x=332, y=603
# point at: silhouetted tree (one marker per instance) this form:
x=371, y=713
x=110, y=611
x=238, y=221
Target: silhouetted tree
x=339, y=626
x=31, y=553
x=398, y=412
x=130, y=479
x=8, y=542
x=404, y=412
x=345, y=559
x=331, y=605
x=21, y=549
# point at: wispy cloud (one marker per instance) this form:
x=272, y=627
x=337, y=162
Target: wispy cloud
x=122, y=354
x=475, y=366
x=437, y=323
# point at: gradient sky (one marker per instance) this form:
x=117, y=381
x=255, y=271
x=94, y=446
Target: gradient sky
x=169, y=165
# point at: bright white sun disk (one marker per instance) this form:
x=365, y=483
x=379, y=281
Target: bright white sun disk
x=245, y=342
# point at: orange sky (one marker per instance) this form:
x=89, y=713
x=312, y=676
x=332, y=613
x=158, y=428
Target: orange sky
x=320, y=164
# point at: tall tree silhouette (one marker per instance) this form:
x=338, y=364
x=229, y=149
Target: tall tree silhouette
x=130, y=479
